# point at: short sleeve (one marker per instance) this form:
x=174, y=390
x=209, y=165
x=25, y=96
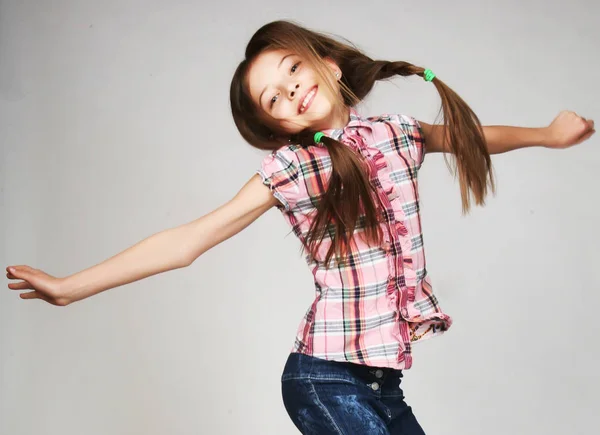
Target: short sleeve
x=415, y=140
x=279, y=171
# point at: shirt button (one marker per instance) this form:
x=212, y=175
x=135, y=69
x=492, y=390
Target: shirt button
x=379, y=373
x=375, y=386
x=404, y=312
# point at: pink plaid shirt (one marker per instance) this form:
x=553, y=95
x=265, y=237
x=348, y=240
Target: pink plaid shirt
x=371, y=310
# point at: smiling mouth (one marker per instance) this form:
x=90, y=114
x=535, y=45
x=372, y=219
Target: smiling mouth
x=308, y=99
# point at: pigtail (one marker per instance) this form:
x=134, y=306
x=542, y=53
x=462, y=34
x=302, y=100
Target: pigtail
x=349, y=195
x=465, y=139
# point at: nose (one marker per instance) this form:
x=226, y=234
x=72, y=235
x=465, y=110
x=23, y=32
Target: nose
x=294, y=90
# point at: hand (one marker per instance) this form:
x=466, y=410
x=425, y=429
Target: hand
x=45, y=286
x=568, y=129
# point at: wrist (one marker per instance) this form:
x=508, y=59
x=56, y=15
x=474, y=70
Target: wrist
x=545, y=137
x=65, y=291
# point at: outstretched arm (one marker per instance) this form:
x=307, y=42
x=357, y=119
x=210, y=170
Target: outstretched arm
x=566, y=130
x=170, y=249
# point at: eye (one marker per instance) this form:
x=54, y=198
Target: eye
x=295, y=67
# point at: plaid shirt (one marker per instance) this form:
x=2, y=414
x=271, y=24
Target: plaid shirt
x=372, y=309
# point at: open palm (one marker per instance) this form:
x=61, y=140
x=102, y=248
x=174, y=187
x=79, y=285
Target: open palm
x=44, y=286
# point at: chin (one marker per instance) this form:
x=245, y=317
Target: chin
x=314, y=119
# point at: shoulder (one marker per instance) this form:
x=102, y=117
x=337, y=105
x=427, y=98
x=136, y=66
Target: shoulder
x=296, y=155
x=404, y=121
x=404, y=125
x=284, y=164
x=407, y=134
x=287, y=156
x=284, y=172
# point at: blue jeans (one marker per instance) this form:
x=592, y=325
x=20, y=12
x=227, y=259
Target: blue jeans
x=328, y=397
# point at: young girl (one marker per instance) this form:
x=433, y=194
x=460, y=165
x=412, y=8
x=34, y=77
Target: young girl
x=347, y=185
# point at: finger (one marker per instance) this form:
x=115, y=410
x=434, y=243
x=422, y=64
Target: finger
x=585, y=125
x=30, y=295
x=20, y=272
x=19, y=267
x=585, y=137
x=36, y=295
x=20, y=286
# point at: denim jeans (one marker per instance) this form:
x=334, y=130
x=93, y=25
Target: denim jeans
x=329, y=397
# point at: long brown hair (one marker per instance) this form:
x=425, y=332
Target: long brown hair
x=349, y=191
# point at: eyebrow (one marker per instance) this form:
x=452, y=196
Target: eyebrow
x=278, y=66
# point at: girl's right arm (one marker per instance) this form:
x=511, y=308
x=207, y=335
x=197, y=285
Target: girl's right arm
x=167, y=250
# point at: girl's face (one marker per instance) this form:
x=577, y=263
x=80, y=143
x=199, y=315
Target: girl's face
x=290, y=94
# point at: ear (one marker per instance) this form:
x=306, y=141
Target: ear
x=335, y=69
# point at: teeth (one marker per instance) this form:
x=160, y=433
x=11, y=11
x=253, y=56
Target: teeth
x=306, y=100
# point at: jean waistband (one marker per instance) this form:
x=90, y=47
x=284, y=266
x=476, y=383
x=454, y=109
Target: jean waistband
x=301, y=366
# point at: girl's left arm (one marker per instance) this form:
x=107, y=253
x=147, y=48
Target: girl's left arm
x=566, y=130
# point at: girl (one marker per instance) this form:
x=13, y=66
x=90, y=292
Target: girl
x=347, y=185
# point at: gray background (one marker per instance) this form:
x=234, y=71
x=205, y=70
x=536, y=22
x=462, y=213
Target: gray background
x=115, y=125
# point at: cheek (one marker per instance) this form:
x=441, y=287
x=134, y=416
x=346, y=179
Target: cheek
x=324, y=100
x=284, y=109
x=327, y=93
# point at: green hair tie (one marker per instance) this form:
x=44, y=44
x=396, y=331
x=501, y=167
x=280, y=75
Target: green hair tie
x=428, y=75
x=318, y=136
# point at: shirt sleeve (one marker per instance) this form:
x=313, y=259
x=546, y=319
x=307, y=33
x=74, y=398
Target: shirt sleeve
x=414, y=138
x=280, y=172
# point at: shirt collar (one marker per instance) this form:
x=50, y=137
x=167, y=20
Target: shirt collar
x=356, y=121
